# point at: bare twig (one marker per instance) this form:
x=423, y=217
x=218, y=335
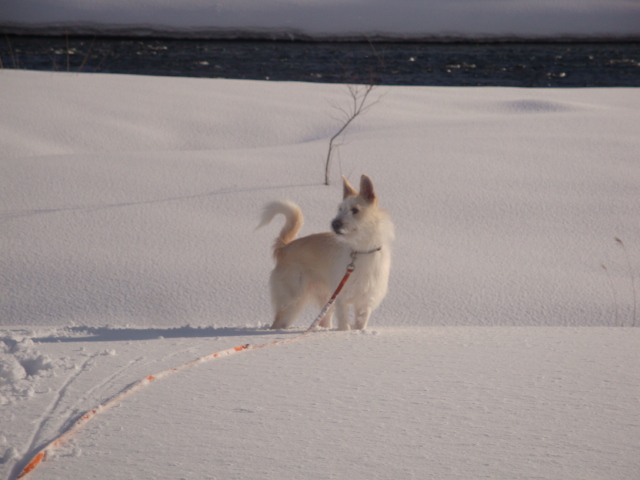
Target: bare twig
x=54, y=65
x=104, y=58
x=613, y=291
x=360, y=103
x=86, y=57
x=359, y=95
x=13, y=55
x=66, y=32
x=379, y=57
x=633, y=279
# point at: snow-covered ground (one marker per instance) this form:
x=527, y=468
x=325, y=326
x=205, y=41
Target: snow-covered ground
x=334, y=18
x=128, y=208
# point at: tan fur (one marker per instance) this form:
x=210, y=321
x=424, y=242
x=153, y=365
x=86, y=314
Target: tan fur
x=309, y=268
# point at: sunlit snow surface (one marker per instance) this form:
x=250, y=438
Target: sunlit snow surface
x=128, y=208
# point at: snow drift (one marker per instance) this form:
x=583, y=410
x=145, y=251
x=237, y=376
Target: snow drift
x=128, y=208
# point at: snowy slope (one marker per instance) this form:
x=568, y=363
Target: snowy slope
x=134, y=200
x=436, y=403
x=334, y=19
x=128, y=208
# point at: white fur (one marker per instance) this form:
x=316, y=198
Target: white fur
x=308, y=269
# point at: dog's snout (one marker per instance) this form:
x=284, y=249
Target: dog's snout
x=336, y=225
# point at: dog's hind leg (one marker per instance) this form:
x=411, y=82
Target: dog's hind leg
x=362, y=317
x=288, y=296
x=285, y=316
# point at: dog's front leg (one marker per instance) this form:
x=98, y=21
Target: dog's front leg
x=362, y=317
x=342, y=314
x=326, y=321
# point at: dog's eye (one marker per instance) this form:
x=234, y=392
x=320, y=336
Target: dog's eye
x=355, y=210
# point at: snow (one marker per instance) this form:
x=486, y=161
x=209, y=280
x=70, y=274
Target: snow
x=321, y=19
x=505, y=347
x=123, y=196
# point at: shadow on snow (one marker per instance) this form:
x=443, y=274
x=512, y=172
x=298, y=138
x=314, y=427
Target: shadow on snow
x=114, y=334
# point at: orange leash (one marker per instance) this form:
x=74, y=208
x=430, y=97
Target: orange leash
x=134, y=387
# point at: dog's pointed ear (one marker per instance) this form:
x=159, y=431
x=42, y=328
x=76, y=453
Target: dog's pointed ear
x=366, y=189
x=347, y=189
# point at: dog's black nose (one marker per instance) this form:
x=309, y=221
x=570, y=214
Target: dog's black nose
x=336, y=225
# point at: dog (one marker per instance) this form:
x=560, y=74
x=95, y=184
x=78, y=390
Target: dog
x=309, y=269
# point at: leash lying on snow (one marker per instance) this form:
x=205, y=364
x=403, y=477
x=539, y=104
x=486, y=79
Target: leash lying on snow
x=134, y=387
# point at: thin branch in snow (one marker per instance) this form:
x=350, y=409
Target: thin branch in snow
x=613, y=291
x=633, y=279
x=358, y=105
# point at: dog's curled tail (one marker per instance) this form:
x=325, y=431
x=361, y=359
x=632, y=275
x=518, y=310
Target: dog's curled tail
x=292, y=225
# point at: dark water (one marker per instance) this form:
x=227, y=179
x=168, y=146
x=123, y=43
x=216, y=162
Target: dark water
x=455, y=64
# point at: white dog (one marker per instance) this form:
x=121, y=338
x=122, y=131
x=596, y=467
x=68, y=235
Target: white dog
x=309, y=269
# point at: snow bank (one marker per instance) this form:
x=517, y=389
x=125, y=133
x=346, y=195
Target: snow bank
x=128, y=207
x=443, y=403
x=21, y=365
x=332, y=19
x=133, y=200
